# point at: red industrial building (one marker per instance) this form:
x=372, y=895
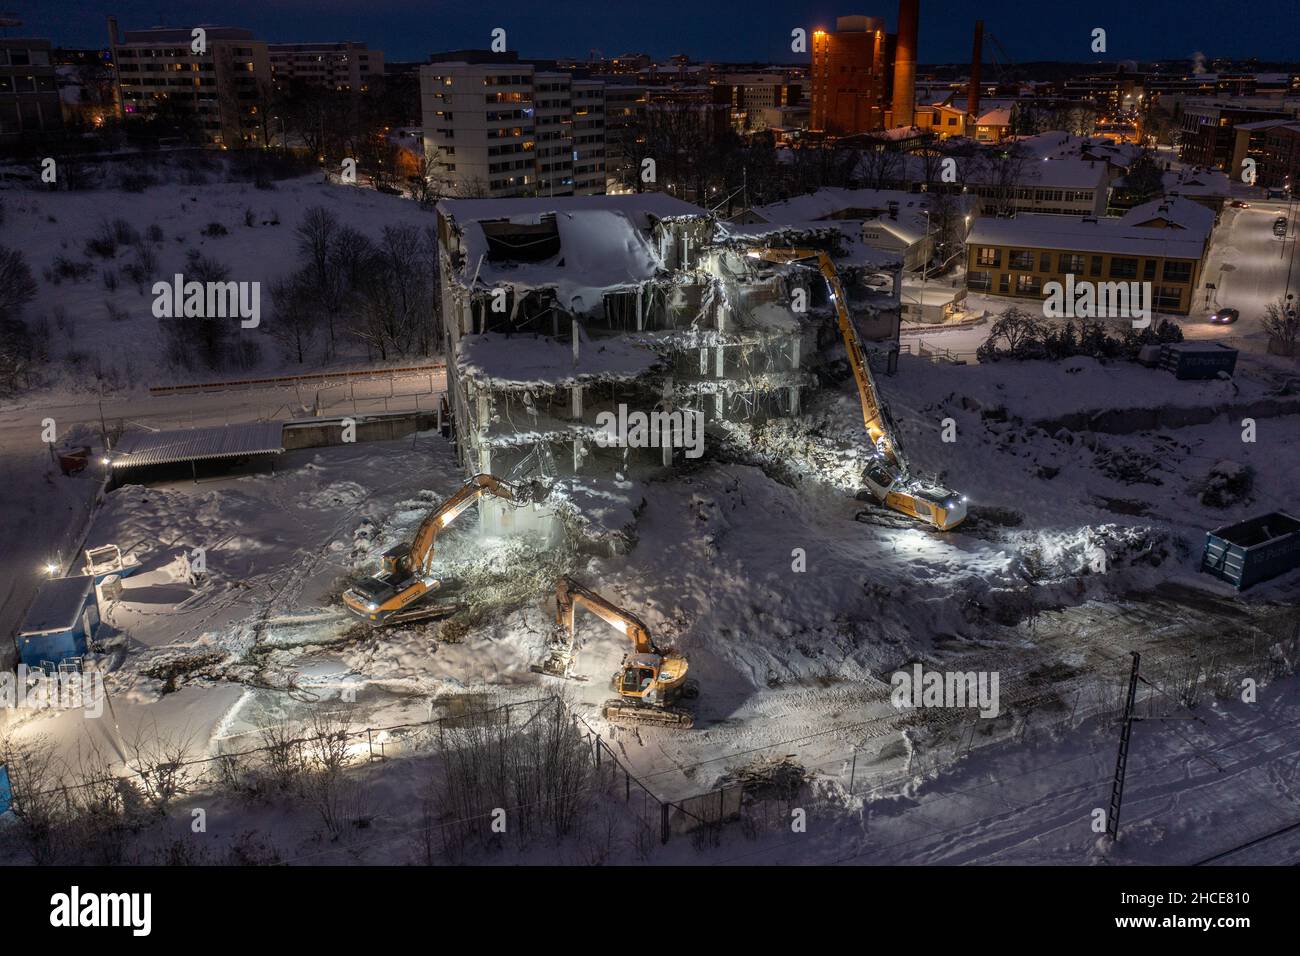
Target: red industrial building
x=863, y=78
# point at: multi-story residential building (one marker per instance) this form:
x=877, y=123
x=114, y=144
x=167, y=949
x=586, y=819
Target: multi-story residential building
x=1208, y=135
x=503, y=128
x=758, y=96
x=344, y=66
x=221, y=89
x=1274, y=145
x=1162, y=242
x=588, y=137
x=625, y=106
x=553, y=117
x=479, y=125
x=29, y=93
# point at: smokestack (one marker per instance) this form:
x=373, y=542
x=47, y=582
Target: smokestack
x=905, y=64
x=976, y=60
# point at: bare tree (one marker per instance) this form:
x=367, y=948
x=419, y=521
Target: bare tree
x=1282, y=323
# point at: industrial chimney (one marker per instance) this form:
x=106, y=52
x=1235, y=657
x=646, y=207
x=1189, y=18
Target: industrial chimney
x=976, y=60
x=905, y=64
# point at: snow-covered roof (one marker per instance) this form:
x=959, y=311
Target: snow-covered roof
x=604, y=242
x=57, y=605
x=137, y=449
x=1123, y=236
x=860, y=204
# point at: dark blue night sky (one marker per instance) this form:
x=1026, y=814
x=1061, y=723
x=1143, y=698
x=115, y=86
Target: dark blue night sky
x=713, y=29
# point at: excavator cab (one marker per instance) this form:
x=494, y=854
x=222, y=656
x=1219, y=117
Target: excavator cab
x=649, y=682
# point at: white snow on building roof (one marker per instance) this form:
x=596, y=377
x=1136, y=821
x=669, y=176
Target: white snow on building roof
x=136, y=449
x=1124, y=235
x=57, y=605
x=853, y=251
x=605, y=242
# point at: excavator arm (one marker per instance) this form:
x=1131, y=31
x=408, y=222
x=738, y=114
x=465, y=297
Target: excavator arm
x=426, y=534
x=395, y=594
x=889, y=478
x=569, y=594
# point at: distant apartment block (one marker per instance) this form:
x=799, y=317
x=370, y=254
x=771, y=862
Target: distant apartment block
x=346, y=66
x=588, y=137
x=221, y=90
x=29, y=94
x=505, y=129
x=1208, y=135
x=758, y=98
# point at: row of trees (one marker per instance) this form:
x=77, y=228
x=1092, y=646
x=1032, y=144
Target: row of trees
x=1017, y=334
x=382, y=292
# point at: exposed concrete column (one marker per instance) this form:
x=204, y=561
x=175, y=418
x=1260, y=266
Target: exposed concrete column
x=704, y=361
x=720, y=363
x=794, y=399
x=577, y=453
x=576, y=340
x=640, y=307
x=576, y=392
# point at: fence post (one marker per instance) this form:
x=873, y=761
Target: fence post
x=598, y=752
x=371, y=744
x=853, y=770
x=663, y=814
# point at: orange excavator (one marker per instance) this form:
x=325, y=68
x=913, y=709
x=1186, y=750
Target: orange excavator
x=650, y=681
x=887, y=476
x=396, y=593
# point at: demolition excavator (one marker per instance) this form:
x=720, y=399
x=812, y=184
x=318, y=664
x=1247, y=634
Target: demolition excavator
x=396, y=594
x=887, y=476
x=650, y=682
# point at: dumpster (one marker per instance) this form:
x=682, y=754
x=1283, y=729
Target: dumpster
x=1253, y=550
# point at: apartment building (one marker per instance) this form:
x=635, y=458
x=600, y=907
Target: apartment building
x=345, y=66
x=757, y=97
x=588, y=137
x=1208, y=132
x=503, y=129
x=29, y=93
x=625, y=106
x=1164, y=242
x=219, y=92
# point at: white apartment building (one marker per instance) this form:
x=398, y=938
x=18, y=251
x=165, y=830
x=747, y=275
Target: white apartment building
x=505, y=130
x=588, y=137
x=223, y=88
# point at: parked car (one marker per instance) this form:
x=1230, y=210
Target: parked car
x=1224, y=317
x=1238, y=204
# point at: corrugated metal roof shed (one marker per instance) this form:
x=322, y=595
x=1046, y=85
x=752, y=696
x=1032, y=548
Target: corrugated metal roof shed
x=57, y=606
x=138, y=449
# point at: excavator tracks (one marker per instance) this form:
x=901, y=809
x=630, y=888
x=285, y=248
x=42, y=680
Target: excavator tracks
x=627, y=712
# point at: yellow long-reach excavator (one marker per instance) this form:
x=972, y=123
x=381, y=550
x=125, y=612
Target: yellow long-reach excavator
x=649, y=682
x=888, y=476
x=395, y=594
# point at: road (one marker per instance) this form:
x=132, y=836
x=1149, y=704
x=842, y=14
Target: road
x=1249, y=265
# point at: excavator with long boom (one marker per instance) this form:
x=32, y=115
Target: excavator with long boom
x=887, y=476
x=396, y=593
x=649, y=682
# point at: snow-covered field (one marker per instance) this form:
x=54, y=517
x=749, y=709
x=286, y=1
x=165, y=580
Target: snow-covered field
x=109, y=336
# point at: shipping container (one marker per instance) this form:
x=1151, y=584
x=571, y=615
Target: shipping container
x=1254, y=550
x=1194, y=360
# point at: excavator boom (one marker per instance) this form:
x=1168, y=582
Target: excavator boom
x=404, y=579
x=648, y=683
x=889, y=478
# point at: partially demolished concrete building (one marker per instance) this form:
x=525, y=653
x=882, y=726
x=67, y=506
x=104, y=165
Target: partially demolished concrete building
x=609, y=335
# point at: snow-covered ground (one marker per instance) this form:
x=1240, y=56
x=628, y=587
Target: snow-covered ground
x=790, y=662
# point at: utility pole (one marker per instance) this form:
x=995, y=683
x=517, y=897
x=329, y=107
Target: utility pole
x=1121, y=759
